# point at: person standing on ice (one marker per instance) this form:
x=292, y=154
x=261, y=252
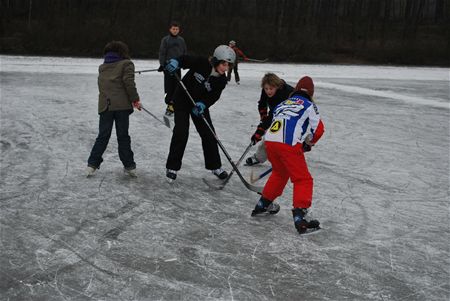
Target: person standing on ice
x=239, y=53
x=172, y=46
x=274, y=91
x=295, y=128
x=204, y=81
x=116, y=99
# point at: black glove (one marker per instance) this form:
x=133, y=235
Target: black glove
x=161, y=68
x=306, y=147
x=257, y=136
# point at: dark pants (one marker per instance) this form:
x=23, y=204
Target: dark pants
x=107, y=119
x=180, y=138
x=236, y=73
x=170, y=84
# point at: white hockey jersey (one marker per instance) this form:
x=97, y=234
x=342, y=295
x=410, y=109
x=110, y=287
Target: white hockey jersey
x=293, y=120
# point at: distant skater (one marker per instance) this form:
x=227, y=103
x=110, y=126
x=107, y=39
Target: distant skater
x=172, y=46
x=116, y=99
x=295, y=128
x=234, y=66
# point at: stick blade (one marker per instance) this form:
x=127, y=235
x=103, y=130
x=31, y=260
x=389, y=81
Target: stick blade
x=254, y=188
x=167, y=121
x=253, y=179
x=220, y=186
x=213, y=185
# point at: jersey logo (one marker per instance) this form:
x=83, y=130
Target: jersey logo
x=200, y=78
x=294, y=100
x=276, y=126
x=208, y=86
x=315, y=109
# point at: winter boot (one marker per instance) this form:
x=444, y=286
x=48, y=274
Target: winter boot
x=252, y=161
x=171, y=175
x=90, y=171
x=220, y=173
x=301, y=224
x=264, y=206
x=170, y=110
x=131, y=171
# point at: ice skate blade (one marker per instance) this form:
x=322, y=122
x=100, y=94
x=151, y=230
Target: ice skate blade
x=263, y=214
x=215, y=184
x=311, y=231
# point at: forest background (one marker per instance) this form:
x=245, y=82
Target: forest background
x=399, y=32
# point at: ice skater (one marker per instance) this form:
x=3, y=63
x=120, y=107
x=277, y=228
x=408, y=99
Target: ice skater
x=172, y=46
x=295, y=128
x=204, y=81
x=274, y=91
x=116, y=99
x=234, y=66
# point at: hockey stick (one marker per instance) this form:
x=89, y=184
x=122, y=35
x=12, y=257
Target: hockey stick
x=148, y=70
x=262, y=175
x=246, y=184
x=222, y=185
x=257, y=61
x=165, y=122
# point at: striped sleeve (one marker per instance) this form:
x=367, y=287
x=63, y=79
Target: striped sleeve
x=316, y=123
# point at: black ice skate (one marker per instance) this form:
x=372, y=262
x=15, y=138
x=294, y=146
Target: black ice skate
x=220, y=173
x=301, y=223
x=252, y=161
x=264, y=207
x=171, y=175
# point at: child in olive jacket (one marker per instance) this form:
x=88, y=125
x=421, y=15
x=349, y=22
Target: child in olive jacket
x=117, y=97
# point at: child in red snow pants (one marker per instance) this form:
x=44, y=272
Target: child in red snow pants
x=288, y=162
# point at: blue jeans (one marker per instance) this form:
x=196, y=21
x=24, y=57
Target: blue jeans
x=107, y=119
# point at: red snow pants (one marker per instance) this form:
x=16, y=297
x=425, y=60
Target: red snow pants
x=288, y=162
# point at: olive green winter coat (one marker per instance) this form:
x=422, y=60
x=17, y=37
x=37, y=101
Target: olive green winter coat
x=116, y=86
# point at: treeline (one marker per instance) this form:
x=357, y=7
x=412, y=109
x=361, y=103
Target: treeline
x=415, y=32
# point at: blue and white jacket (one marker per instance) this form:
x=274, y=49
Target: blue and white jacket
x=294, y=119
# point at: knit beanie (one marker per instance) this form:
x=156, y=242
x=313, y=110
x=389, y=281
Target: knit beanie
x=305, y=84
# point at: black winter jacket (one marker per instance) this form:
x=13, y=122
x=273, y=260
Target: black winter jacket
x=202, y=82
x=267, y=104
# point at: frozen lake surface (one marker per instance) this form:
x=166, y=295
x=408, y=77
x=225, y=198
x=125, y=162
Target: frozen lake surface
x=381, y=175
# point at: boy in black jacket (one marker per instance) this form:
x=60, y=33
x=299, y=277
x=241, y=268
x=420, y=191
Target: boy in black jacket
x=274, y=91
x=204, y=81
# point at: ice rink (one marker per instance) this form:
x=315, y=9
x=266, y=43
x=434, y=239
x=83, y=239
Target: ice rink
x=381, y=174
